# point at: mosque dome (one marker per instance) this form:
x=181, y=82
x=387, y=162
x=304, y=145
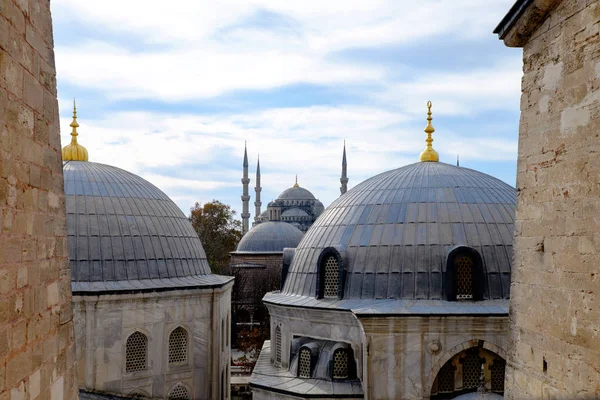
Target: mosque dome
x=270, y=236
x=394, y=233
x=126, y=234
x=318, y=208
x=296, y=193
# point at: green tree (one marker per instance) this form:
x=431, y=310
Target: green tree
x=218, y=230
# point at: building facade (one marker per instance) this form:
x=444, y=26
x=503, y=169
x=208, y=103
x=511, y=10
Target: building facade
x=553, y=350
x=151, y=321
x=399, y=291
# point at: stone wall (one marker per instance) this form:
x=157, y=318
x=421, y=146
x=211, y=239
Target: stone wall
x=36, y=330
x=103, y=324
x=554, y=350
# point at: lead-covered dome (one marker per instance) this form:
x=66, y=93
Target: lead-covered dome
x=126, y=234
x=296, y=193
x=394, y=233
x=270, y=237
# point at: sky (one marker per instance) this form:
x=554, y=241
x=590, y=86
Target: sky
x=171, y=90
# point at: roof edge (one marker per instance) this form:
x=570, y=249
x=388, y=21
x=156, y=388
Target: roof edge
x=523, y=18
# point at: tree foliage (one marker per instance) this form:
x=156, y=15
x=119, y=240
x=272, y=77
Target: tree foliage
x=218, y=230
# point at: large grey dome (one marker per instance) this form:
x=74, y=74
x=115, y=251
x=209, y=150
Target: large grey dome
x=270, y=236
x=126, y=234
x=396, y=229
x=296, y=193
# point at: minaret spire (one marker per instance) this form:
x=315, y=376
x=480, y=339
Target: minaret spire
x=74, y=151
x=344, y=178
x=429, y=154
x=257, y=189
x=245, y=196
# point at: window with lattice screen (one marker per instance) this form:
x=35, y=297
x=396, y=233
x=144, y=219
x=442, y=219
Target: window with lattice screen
x=331, y=277
x=497, y=371
x=304, y=363
x=464, y=277
x=178, y=346
x=278, y=345
x=445, y=378
x=471, y=366
x=136, y=352
x=341, y=364
x=179, y=392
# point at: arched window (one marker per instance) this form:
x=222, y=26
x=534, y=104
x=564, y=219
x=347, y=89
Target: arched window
x=497, y=371
x=179, y=392
x=331, y=276
x=304, y=361
x=341, y=364
x=445, y=379
x=178, y=346
x=464, y=277
x=471, y=366
x=278, y=345
x=136, y=352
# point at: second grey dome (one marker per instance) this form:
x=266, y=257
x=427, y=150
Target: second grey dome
x=396, y=229
x=270, y=236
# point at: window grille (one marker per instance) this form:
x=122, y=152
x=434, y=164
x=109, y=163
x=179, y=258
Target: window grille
x=179, y=392
x=136, y=352
x=464, y=277
x=278, y=345
x=471, y=370
x=178, y=344
x=331, y=277
x=497, y=372
x=340, y=364
x=446, y=378
x=304, y=363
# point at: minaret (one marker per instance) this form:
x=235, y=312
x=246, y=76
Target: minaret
x=245, y=196
x=257, y=189
x=344, y=178
x=429, y=154
x=74, y=151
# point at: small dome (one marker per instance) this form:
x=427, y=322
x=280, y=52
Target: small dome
x=296, y=193
x=294, y=212
x=318, y=208
x=126, y=234
x=270, y=236
x=396, y=230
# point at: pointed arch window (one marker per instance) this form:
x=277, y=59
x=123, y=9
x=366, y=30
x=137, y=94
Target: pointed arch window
x=464, y=279
x=331, y=277
x=178, y=346
x=179, y=392
x=497, y=371
x=445, y=379
x=341, y=364
x=136, y=352
x=304, y=363
x=471, y=366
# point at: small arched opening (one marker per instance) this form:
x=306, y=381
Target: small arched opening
x=468, y=371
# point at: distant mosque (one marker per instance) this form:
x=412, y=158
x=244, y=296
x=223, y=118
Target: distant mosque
x=296, y=205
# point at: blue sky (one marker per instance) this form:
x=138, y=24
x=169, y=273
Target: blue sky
x=171, y=90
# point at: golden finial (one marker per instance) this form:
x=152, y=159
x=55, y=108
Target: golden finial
x=74, y=151
x=296, y=184
x=429, y=154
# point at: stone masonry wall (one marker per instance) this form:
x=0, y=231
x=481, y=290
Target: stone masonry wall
x=36, y=329
x=554, y=349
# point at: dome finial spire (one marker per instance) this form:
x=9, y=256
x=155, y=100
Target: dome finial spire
x=296, y=184
x=429, y=154
x=74, y=151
